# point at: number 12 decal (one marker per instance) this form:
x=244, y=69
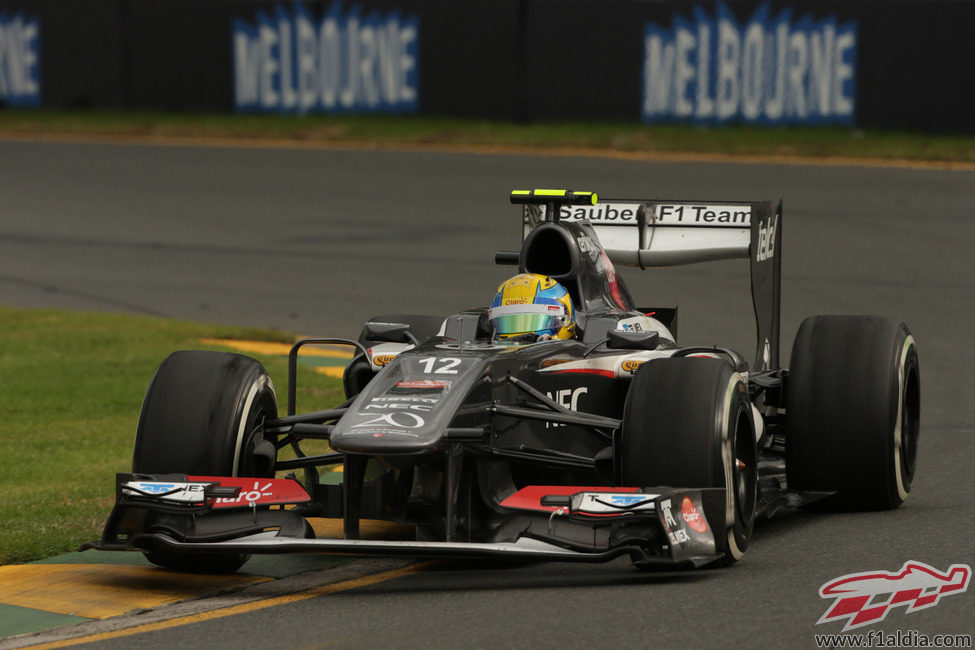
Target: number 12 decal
x=440, y=366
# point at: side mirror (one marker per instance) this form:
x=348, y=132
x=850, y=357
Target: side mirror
x=511, y=258
x=621, y=340
x=389, y=333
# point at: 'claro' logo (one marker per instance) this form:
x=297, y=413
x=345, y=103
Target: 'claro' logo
x=766, y=239
x=383, y=359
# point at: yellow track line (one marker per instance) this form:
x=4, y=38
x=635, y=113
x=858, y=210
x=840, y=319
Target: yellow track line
x=272, y=348
x=244, y=608
x=100, y=591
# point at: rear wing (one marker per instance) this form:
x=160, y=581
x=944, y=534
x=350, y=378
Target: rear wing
x=665, y=233
x=653, y=232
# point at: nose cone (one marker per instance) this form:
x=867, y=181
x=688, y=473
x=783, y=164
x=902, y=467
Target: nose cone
x=408, y=406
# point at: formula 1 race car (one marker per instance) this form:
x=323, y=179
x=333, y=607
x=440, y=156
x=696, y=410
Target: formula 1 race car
x=491, y=440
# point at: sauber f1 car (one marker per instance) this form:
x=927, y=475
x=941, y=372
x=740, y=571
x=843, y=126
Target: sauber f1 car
x=609, y=439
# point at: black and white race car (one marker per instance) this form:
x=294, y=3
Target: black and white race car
x=617, y=441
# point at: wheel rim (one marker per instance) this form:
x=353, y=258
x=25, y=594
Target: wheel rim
x=906, y=425
x=744, y=471
x=910, y=427
x=257, y=402
x=255, y=459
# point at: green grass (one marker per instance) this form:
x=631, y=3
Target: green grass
x=453, y=132
x=71, y=387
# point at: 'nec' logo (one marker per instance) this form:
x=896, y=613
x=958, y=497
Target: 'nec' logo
x=568, y=398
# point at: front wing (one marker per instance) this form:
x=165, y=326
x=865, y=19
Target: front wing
x=659, y=526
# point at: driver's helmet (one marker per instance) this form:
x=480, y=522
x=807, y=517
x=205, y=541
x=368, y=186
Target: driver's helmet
x=532, y=305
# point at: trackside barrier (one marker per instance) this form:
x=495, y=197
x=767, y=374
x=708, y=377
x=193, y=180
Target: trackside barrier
x=869, y=63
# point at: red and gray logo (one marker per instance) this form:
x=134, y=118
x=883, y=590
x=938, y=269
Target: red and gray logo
x=866, y=598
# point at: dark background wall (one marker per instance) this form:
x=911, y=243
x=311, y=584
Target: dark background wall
x=505, y=59
x=919, y=69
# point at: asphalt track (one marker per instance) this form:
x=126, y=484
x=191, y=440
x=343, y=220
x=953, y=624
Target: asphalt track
x=315, y=241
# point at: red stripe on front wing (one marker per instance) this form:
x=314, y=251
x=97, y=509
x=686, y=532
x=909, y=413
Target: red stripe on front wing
x=257, y=491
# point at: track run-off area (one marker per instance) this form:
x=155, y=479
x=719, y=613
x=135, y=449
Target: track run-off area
x=317, y=240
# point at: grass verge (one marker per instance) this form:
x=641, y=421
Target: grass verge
x=382, y=131
x=70, y=393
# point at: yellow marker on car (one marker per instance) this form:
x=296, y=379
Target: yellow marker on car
x=542, y=196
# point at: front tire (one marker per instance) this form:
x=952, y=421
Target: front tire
x=203, y=414
x=853, y=411
x=687, y=422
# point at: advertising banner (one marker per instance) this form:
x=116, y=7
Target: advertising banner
x=783, y=68
x=20, y=62
x=345, y=60
x=711, y=63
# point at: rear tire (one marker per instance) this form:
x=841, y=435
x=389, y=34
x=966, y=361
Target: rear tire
x=202, y=415
x=686, y=422
x=853, y=411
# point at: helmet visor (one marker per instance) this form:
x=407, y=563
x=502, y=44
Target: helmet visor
x=520, y=319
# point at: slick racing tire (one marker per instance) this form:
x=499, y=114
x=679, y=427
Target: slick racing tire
x=687, y=423
x=202, y=415
x=853, y=398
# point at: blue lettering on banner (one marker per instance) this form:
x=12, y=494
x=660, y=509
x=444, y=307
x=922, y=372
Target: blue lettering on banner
x=769, y=70
x=345, y=62
x=20, y=68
